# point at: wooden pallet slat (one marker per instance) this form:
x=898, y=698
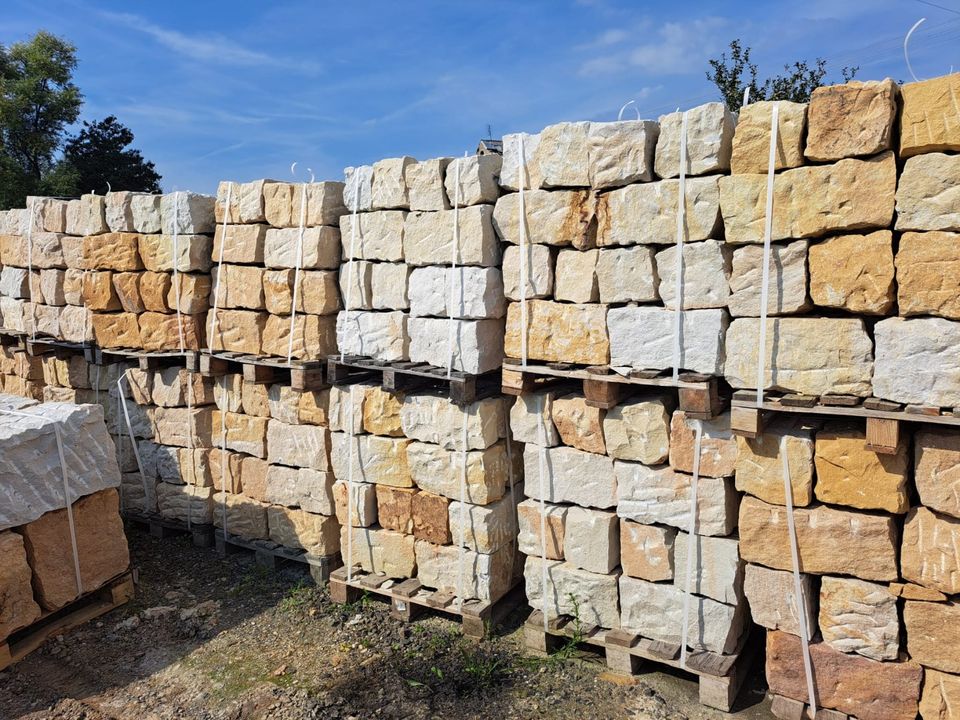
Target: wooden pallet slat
x=271, y=555
x=201, y=535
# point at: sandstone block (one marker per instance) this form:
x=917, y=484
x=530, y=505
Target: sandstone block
x=473, y=293
x=578, y=424
x=759, y=469
x=297, y=445
x=859, y=617
x=162, y=332
x=51, y=286
x=320, y=251
x=804, y=355
x=529, y=523
x=559, y=332
x=941, y=693
x=431, y=519
x=468, y=574
x=389, y=188
x=424, y=181
x=621, y=153
x=639, y=430
x=717, y=568
x=358, y=187
x=483, y=528
x=244, y=244
x=189, y=293
x=283, y=203
x=428, y=237
x=627, y=274
x=395, y=508
x=710, y=130
x=591, y=596
x=937, y=469
x=927, y=193
x=576, y=276
x=851, y=119
x=477, y=179
x=314, y=336
x=439, y=471
x=718, y=446
x=239, y=286
x=437, y=420
x=788, y=280
x=642, y=337
x=176, y=387
x=313, y=408
x=193, y=252
x=112, y=330
x=179, y=502
x=184, y=427
x=928, y=121
x=929, y=554
x=373, y=236
x=928, y=274
x=531, y=419
x=126, y=287
x=751, y=142
x=253, y=477
x=380, y=551
x=317, y=293
x=380, y=335
x=154, y=289
x=563, y=155
x=771, y=597
x=378, y=460
x=237, y=331
x=111, y=251
x=591, y=540
x=381, y=412
x=239, y=515
x=317, y=534
x=932, y=634
x=539, y=263
x=517, y=171
x=647, y=551
x=570, y=475
x=829, y=540
x=477, y=344
x=853, y=273
x=915, y=362
x=188, y=212
x=246, y=202
x=364, y=509
x=99, y=292
x=552, y=217
x=19, y=608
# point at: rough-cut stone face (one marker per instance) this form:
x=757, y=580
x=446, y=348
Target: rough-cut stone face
x=239, y=286
x=193, y=252
x=937, y=469
x=705, y=275
x=759, y=469
x=244, y=433
x=476, y=293
x=283, y=203
x=570, y=475
x=661, y=495
x=320, y=251
x=928, y=118
x=159, y=331
x=576, y=276
x=553, y=217
x=431, y=519
x=770, y=594
x=395, y=508
x=850, y=474
x=373, y=235
x=297, y=445
x=916, y=362
x=428, y=237
x=246, y=202
x=439, y=471
x=380, y=335
x=380, y=551
x=364, y=510
x=646, y=214
x=788, y=280
x=237, y=331
x=100, y=542
x=389, y=187
x=929, y=554
x=483, y=528
x=516, y=172
x=655, y=611
x=646, y=551
x=852, y=119
x=928, y=274
x=579, y=425
x=811, y=201
x=627, y=275
x=804, y=355
x=381, y=412
x=244, y=243
x=593, y=597
x=621, y=153
x=642, y=337
x=639, y=430
x=477, y=176
x=717, y=569
x=317, y=534
x=853, y=273
x=863, y=688
x=240, y=515
x=710, y=130
x=19, y=608
x=927, y=193
x=183, y=502
x=378, y=460
x=563, y=155
x=434, y=419
x=591, y=539
x=539, y=271
x=127, y=290
x=530, y=536
x=933, y=631
x=530, y=419
x=829, y=540
x=941, y=694
x=113, y=330
x=466, y=573
x=751, y=142
x=311, y=490
x=314, y=336
x=559, y=332
x=476, y=347
x=718, y=447
x=187, y=211
x=99, y=292
x=424, y=182
x=859, y=617
x=358, y=188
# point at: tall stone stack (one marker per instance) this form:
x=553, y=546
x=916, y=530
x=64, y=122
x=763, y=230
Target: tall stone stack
x=599, y=228
x=258, y=240
x=431, y=489
x=412, y=294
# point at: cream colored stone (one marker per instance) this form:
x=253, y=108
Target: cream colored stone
x=468, y=574
x=788, y=280
x=112, y=251
x=853, y=273
x=718, y=446
x=477, y=179
x=439, y=471
x=388, y=286
x=428, y=237
x=320, y=249
x=378, y=235
x=576, y=276
x=751, y=142
x=242, y=286
x=759, y=468
x=425, y=188
x=244, y=244
x=771, y=597
x=530, y=419
x=298, y=445
x=483, y=528
x=928, y=118
x=246, y=202
x=389, y=188
x=193, y=252
x=591, y=539
x=859, y=617
x=381, y=551
x=593, y=597
x=378, y=335
x=915, y=361
x=239, y=515
x=705, y=275
x=639, y=429
x=570, y=475
x=539, y=264
x=929, y=555
x=928, y=274
x=364, y=507
x=553, y=217
x=515, y=173
x=641, y=337
x=314, y=336
x=578, y=424
x=559, y=333
x=159, y=332
x=856, y=118
x=927, y=193
x=99, y=292
x=194, y=293
x=709, y=142
x=563, y=155
x=378, y=460
x=317, y=534
x=529, y=524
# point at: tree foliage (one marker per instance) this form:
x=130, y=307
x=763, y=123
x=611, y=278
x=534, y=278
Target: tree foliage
x=99, y=154
x=732, y=76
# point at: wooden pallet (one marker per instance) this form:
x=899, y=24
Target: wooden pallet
x=883, y=417
x=201, y=535
x=300, y=375
x=785, y=708
x=699, y=395
x=145, y=360
x=47, y=346
x=409, y=599
x=272, y=556
x=92, y=605
x=720, y=676
x=461, y=388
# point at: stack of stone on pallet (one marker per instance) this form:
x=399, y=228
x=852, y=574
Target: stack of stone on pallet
x=37, y=570
x=129, y=285
x=264, y=477
x=400, y=285
x=20, y=374
x=616, y=502
x=410, y=518
x=601, y=202
x=260, y=256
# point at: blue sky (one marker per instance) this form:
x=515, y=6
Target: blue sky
x=239, y=90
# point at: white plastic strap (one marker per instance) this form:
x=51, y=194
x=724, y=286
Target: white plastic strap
x=522, y=168
x=350, y=489
x=223, y=452
x=681, y=236
x=350, y=262
x=691, y=540
x=451, y=323
x=33, y=312
x=193, y=465
x=217, y=294
x=296, y=272
x=122, y=400
x=96, y=384
x=461, y=556
x=801, y=600
x=176, y=265
x=541, y=466
x=767, y=233
x=510, y=478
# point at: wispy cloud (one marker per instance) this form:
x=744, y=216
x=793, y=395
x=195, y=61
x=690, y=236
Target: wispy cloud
x=210, y=48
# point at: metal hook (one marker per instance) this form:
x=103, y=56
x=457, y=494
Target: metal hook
x=109, y=187
x=293, y=169
x=906, y=52
x=312, y=176
x=625, y=106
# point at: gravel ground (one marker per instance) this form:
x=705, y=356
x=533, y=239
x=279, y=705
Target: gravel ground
x=211, y=638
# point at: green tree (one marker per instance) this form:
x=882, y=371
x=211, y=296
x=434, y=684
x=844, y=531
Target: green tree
x=38, y=101
x=100, y=154
x=732, y=76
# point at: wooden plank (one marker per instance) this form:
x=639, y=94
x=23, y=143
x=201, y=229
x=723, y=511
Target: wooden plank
x=926, y=410
x=213, y=366
x=601, y=393
x=854, y=412
x=831, y=400
x=872, y=403
x=699, y=403
x=746, y=421
x=259, y=374
x=883, y=435
x=798, y=400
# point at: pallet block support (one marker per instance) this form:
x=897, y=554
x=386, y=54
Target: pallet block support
x=746, y=421
x=883, y=435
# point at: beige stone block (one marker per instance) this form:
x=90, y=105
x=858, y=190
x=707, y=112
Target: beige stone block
x=477, y=175
x=298, y=445
x=578, y=424
x=856, y=118
x=364, y=508
x=176, y=387
x=381, y=412
x=314, y=336
x=317, y=534
x=639, y=429
x=126, y=288
x=253, y=477
x=313, y=407
x=559, y=332
x=859, y=617
x=467, y=574
x=439, y=471
x=395, y=508
x=710, y=130
x=228, y=393
x=751, y=142
x=99, y=292
x=317, y=294
x=929, y=554
x=576, y=276
x=928, y=118
x=320, y=248
x=530, y=529
x=76, y=324
x=19, y=608
x=246, y=202
x=51, y=286
x=183, y=427
x=552, y=217
x=933, y=631
x=373, y=235
x=937, y=469
x=380, y=551
x=435, y=419
x=646, y=551
x=160, y=332
x=73, y=286
x=759, y=465
x=193, y=253
x=928, y=274
x=244, y=244
x=194, y=293
x=539, y=263
x=424, y=181
x=788, y=280
x=771, y=597
x=237, y=331
x=112, y=251
x=705, y=275
x=428, y=237
x=718, y=446
x=243, y=287
x=591, y=539
x=154, y=290
x=941, y=691
x=627, y=274
x=239, y=515
x=115, y=330
x=853, y=273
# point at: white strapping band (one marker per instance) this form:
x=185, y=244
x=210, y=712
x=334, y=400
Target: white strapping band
x=801, y=600
x=522, y=171
x=190, y=443
x=296, y=272
x=681, y=237
x=691, y=540
x=350, y=272
x=176, y=264
x=541, y=466
x=122, y=400
x=451, y=323
x=461, y=556
x=767, y=233
x=217, y=293
x=223, y=452
x=33, y=312
x=350, y=489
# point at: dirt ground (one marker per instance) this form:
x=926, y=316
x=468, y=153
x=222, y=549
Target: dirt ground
x=211, y=638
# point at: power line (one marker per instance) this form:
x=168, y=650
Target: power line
x=939, y=7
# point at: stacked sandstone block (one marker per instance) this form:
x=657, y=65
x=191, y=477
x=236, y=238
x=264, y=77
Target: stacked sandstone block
x=20, y=374
x=37, y=571
x=258, y=239
x=129, y=287
x=406, y=300
x=877, y=538
x=615, y=489
x=411, y=517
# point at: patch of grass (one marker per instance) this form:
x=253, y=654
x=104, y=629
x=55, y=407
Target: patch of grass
x=257, y=580
x=299, y=597
x=572, y=644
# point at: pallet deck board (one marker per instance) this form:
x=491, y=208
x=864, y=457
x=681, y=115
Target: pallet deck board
x=270, y=555
x=201, y=535
x=877, y=409
x=301, y=375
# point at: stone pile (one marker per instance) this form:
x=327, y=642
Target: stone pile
x=422, y=507
x=20, y=374
x=615, y=489
x=877, y=538
x=258, y=239
x=37, y=567
x=409, y=222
